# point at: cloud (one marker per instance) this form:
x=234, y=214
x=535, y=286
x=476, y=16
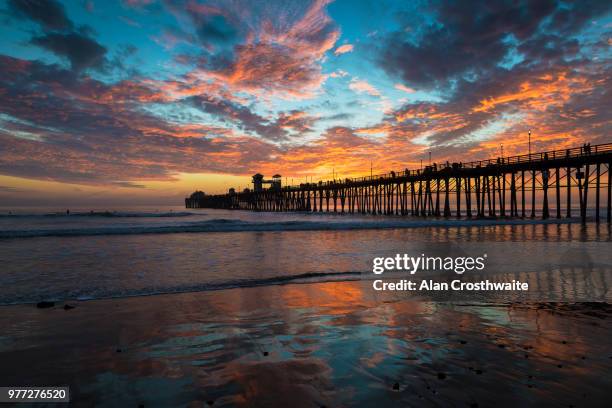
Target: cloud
x=403, y=88
x=564, y=103
x=216, y=29
x=298, y=122
x=82, y=52
x=338, y=74
x=470, y=39
x=85, y=136
x=60, y=36
x=273, y=67
x=240, y=115
x=128, y=184
x=130, y=22
x=10, y=189
x=503, y=69
x=343, y=49
x=361, y=86
x=277, y=50
x=339, y=116
x=48, y=13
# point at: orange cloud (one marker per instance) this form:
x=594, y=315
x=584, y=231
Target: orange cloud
x=551, y=89
x=283, y=62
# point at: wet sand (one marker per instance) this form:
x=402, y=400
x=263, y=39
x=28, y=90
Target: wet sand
x=311, y=345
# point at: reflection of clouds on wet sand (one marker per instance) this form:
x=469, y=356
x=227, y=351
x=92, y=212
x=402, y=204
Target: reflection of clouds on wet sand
x=331, y=344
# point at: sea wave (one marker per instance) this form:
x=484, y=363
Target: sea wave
x=97, y=294
x=233, y=225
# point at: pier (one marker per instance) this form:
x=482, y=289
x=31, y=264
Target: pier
x=563, y=180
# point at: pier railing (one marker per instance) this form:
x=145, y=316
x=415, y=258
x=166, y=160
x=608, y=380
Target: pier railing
x=576, y=152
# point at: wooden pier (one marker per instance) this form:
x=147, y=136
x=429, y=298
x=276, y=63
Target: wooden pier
x=502, y=187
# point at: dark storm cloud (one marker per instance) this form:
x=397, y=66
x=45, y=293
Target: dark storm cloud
x=574, y=14
x=82, y=51
x=549, y=49
x=472, y=37
x=48, y=13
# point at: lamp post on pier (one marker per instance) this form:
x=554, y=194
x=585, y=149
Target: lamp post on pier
x=529, y=144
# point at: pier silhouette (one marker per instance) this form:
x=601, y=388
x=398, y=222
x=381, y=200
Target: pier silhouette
x=503, y=186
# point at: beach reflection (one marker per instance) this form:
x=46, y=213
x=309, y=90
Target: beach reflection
x=323, y=344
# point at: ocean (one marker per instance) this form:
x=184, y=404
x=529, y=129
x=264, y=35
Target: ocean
x=48, y=254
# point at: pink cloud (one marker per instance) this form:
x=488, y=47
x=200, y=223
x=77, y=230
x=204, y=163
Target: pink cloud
x=343, y=49
x=404, y=88
x=361, y=86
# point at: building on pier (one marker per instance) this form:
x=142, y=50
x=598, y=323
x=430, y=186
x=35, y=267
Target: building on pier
x=259, y=181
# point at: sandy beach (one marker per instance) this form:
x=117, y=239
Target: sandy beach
x=311, y=345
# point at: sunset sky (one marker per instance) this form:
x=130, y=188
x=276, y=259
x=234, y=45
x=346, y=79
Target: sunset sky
x=141, y=102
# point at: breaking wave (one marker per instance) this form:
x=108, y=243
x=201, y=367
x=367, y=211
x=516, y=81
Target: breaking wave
x=233, y=225
x=96, y=294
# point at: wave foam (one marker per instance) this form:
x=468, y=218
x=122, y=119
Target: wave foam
x=232, y=225
x=86, y=295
